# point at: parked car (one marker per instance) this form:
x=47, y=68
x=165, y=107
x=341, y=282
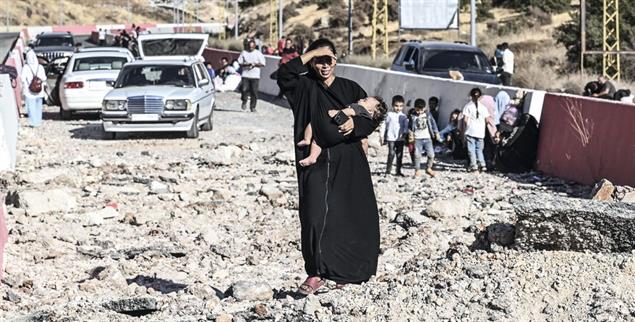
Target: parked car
x=167, y=90
x=108, y=49
x=438, y=58
x=50, y=46
x=87, y=78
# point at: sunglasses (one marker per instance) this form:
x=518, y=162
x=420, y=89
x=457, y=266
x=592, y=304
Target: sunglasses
x=324, y=60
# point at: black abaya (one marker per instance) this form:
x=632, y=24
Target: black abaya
x=338, y=210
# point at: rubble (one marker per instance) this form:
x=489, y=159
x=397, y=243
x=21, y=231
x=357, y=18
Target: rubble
x=208, y=229
x=37, y=203
x=251, y=291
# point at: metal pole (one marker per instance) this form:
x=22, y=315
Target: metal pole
x=473, y=22
x=236, y=23
x=6, y=13
x=373, y=37
x=386, y=28
x=582, y=34
x=350, y=27
x=280, y=20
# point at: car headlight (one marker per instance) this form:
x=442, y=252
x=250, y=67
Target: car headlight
x=177, y=105
x=115, y=105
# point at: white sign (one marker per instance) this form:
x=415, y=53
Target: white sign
x=429, y=14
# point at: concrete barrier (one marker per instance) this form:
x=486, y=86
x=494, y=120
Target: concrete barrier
x=587, y=139
x=9, y=124
x=385, y=83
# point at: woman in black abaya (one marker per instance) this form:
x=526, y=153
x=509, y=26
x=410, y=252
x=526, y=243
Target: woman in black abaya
x=338, y=210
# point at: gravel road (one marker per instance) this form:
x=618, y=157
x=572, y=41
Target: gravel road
x=156, y=227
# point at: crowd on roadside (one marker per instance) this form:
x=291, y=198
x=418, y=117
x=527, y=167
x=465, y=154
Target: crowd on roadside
x=122, y=38
x=477, y=134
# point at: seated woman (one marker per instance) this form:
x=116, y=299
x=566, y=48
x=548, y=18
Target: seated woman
x=227, y=78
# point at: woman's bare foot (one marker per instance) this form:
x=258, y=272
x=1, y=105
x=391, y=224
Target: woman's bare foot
x=311, y=285
x=304, y=142
x=307, y=161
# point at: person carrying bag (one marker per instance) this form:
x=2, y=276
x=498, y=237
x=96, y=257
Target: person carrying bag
x=33, y=83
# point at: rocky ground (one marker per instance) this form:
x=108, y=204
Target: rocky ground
x=162, y=228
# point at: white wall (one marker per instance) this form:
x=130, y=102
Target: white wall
x=8, y=124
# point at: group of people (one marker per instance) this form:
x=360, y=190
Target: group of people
x=245, y=71
x=124, y=39
x=605, y=89
x=465, y=134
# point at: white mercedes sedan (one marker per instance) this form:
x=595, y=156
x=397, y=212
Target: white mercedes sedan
x=160, y=95
x=88, y=77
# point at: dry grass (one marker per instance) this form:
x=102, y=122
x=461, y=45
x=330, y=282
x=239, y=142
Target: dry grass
x=366, y=60
x=227, y=44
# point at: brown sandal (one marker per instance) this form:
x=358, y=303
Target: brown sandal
x=311, y=285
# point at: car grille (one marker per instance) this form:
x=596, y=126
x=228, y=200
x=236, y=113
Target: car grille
x=145, y=104
x=52, y=55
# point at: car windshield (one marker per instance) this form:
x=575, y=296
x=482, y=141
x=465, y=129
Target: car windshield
x=168, y=75
x=456, y=60
x=55, y=41
x=99, y=63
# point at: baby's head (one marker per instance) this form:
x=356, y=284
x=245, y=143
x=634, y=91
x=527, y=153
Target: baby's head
x=375, y=106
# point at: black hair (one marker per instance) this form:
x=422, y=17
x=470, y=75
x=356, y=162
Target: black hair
x=474, y=91
x=457, y=112
x=322, y=42
x=433, y=98
x=420, y=102
x=398, y=99
x=504, y=45
x=382, y=109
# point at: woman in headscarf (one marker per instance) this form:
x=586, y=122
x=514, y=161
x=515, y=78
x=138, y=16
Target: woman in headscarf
x=33, y=100
x=338, y=211
x=502, y=100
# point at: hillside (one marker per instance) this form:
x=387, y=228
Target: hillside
x=56, y=12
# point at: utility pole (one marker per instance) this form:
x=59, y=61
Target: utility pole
x=236, y=22
x=280, y=20
x=6, y=14
x=582, y=34
x=611, y=40
x=350, y=27
x=373, y=41
x=473, y=22
x=61, y=12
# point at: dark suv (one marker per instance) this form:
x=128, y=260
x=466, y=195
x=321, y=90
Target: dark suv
x=51, y=46
x=438, y=58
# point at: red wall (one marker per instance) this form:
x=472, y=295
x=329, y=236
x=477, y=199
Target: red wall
x=585, y=140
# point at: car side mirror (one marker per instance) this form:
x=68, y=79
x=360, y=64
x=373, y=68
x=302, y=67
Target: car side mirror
x=110, y=83
x=203, y=82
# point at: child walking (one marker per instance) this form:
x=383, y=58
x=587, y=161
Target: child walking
x=393, y=132
x=425, y=130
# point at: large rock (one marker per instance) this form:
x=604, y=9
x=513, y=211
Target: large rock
x=629, y=197
x=603, y=190
x=96, y=218
x=449, y=208
x=251, y=291
x=546, y=222
x=41, y=202
x=133, y=306
x=225, y=155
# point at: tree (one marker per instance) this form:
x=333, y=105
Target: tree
x=569, y=36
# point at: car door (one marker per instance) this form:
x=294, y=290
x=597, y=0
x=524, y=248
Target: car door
x=205, y=87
